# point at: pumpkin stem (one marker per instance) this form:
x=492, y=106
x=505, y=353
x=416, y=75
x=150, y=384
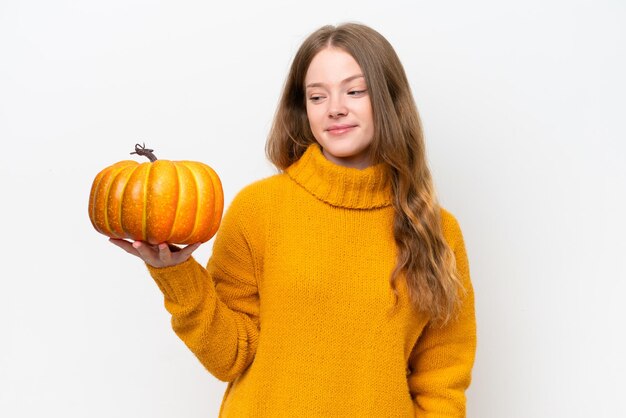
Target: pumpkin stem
x=142, y=150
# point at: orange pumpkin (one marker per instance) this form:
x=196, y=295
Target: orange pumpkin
x=178, y=202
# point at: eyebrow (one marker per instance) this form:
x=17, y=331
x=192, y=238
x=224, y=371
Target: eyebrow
x=347, y=80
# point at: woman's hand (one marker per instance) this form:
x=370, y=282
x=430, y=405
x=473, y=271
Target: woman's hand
x=162, y=255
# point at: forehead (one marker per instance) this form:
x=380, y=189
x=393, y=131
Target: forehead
x=331, y=66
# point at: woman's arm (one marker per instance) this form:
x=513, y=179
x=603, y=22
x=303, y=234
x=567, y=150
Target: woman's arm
x=215, y=311
x=441, y=361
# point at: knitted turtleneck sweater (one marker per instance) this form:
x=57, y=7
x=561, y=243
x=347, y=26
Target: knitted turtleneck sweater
x=294, y=309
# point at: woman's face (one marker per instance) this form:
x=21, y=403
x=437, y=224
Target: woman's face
x=338, y=108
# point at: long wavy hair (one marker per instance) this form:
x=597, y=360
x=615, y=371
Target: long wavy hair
x=424, y=257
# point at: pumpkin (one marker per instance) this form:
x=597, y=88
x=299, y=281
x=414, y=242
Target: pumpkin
x=178, y=202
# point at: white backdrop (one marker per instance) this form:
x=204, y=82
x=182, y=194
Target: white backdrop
x=523, y=105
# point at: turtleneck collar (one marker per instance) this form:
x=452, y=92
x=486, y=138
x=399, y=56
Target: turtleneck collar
x=338, y=185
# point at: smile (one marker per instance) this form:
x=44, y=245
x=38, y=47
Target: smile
x=340, y=129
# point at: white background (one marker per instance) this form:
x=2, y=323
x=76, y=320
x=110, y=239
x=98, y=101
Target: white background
x=523, y=105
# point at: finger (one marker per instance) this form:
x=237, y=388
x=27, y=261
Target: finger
x=124, y=245
x=165, y=255
x=185, y=252
x=146, y=252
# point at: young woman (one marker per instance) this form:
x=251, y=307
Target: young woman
x=338, y=287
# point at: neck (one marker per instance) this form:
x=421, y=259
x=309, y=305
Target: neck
x=340, y=185
x=360, y=162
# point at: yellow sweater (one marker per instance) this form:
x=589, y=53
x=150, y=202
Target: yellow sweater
x=294, y=307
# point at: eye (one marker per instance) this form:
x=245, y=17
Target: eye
x=315, y=98
x=357, y=93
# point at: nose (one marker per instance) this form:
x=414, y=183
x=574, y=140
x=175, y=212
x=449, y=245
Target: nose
x=337, y=108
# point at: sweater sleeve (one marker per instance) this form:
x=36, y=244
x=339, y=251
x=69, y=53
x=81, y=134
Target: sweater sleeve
x=215, y=310
x=442, y=359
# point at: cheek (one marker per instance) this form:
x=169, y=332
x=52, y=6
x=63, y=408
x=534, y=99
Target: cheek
x=313, y=115
x=367, y=113
x=368, y=118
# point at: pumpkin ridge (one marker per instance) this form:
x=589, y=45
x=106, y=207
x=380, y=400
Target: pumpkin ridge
x=119, y=203
x=121, y=199
x=123, y=220
x=144, y=215
x=101, y=197
x=210, y=203
x=197, y=190
x=218, y=200
x=113, y=174
x=92, y=199
x=177, y=209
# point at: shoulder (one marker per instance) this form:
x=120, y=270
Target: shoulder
x=252, y=204
x=451, y=228
x=259, y=193
x=247, y=213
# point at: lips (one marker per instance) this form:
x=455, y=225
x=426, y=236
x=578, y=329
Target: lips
x=339, y=129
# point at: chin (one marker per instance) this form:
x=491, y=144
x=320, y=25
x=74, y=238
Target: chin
x=345, y=150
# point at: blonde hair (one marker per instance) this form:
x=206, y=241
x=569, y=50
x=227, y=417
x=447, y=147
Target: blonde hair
x=424, y=257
